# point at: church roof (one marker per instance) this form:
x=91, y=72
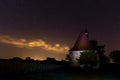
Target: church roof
x=82, y=42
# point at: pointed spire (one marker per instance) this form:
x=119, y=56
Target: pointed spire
x=86, y=32
x=82, y=42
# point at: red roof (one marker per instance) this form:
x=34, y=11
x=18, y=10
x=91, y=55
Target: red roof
x=82, y=42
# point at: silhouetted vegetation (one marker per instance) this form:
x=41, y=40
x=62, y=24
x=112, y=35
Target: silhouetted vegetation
x=100, y=51
x=93, y=43
x=104, y=59
x=48, y=59
x=16, y=59
x=115, y=56
x=29, y=66
x=67, y=57
x=88, y=58
x=29, y=59
x=26, y=70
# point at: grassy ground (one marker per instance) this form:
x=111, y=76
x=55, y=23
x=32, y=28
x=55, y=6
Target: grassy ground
x=35, y=71
x=61, y=75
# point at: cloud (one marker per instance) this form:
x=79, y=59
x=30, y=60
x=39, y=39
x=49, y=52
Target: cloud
x=22, y=43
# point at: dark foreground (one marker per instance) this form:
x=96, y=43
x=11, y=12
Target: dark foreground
x=37, y=71
x=61, y=75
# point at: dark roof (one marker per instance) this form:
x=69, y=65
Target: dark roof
x=82, y=43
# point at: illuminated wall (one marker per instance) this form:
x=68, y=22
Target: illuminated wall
x=74, y=55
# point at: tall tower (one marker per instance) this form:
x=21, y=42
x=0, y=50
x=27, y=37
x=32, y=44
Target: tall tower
x=81, y=45
x=86, y=33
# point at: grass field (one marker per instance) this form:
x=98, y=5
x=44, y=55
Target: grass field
x=60, y=75
x=35, y=71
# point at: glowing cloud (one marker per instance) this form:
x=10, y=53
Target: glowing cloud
x=32, y=43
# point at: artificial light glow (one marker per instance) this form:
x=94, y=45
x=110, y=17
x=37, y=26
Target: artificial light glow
x=57, y=45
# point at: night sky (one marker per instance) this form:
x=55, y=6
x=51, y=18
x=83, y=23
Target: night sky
x=48, y=28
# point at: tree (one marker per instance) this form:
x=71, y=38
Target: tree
x=29, y=59
x=115, y=56
x=17, y=59
x=104, y=59
x=88, y=58
x=50, y=60
x=67, y=57
x=94, y=43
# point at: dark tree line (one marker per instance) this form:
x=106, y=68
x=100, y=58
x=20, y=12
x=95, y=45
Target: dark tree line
x=29, y=59
x=88, y=58
x=115, y=56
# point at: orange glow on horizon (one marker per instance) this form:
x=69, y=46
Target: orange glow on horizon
x=24, y=43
